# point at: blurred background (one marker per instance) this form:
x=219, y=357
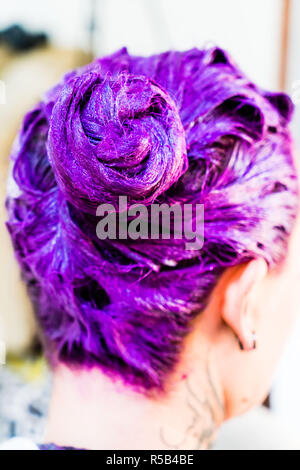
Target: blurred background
x=39, y=42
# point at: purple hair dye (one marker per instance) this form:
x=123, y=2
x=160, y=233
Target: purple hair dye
x=178, y=127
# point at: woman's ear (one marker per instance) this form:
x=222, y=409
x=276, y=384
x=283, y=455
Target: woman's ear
x=239, y=300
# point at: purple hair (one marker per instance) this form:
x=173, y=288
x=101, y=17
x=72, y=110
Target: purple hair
x=178, y=127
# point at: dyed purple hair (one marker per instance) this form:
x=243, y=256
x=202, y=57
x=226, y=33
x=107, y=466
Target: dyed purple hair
x=178, y=127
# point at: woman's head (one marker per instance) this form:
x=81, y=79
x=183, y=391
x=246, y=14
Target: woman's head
x=175, y=128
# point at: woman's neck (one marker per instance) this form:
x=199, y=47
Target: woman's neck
x=90, y=411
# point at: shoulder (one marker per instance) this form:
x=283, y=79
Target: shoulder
x=18, y=443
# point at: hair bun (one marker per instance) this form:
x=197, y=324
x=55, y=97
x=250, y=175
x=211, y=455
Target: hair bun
x=115, y=136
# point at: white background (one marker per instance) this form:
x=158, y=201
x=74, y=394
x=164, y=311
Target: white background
x=250, y=29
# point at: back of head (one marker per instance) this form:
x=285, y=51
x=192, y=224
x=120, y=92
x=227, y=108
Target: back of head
x=175, y=128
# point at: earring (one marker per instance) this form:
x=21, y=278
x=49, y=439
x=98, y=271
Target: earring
x=253, y=339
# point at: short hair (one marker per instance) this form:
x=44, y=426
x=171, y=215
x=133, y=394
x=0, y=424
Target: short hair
x=177, y=127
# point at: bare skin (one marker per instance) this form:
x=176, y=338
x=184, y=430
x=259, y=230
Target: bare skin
x=114, y=416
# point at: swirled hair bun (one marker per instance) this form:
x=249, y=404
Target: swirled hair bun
x=124, y=134
x=178, y=127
